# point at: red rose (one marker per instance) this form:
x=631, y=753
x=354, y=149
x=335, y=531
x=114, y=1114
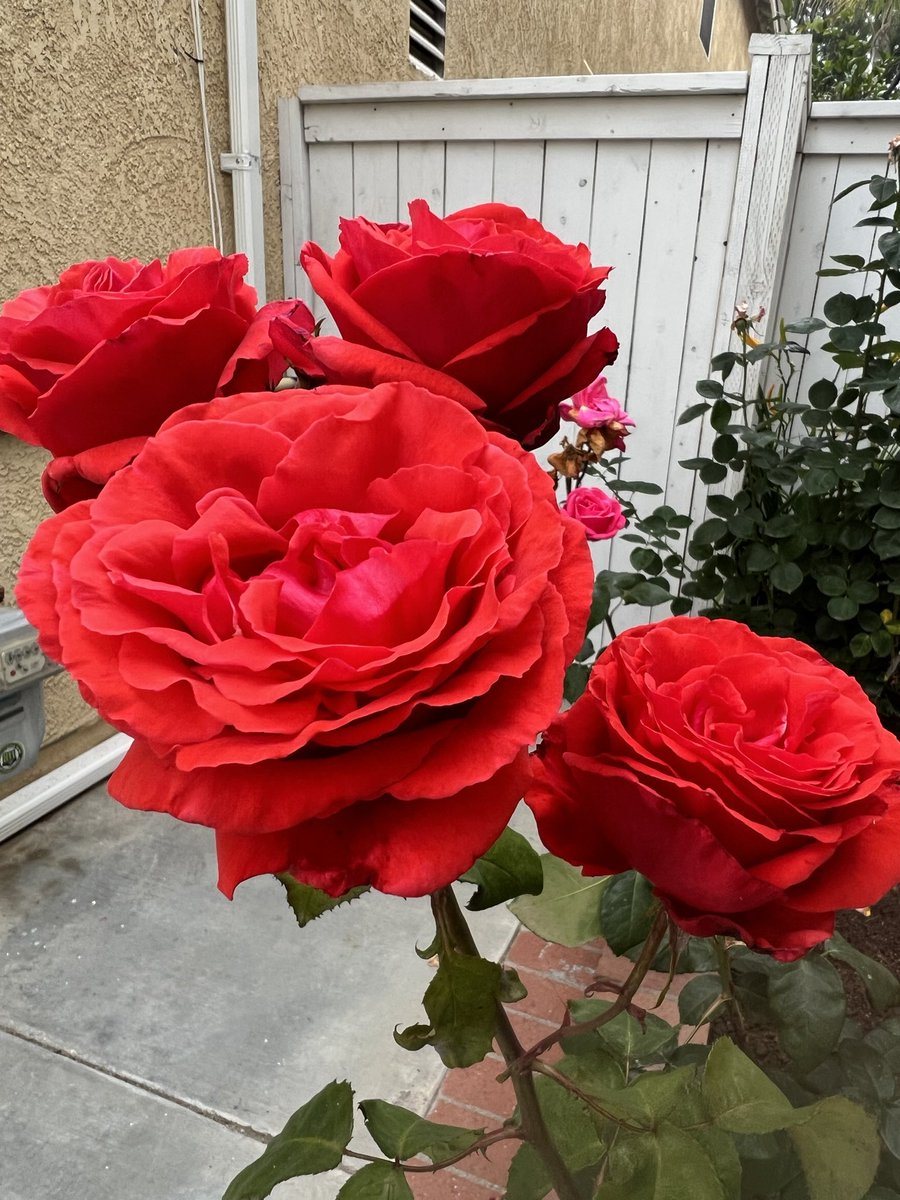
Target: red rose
x=92, y=366
x=334, y=621
x=749, y=779
x=484, y=306
x=600, y=514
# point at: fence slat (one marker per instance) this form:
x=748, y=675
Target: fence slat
x=470, y=174
x=519, y=174
x=375, y=181
x=420, y=175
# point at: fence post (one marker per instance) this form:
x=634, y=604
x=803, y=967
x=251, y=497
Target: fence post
x=295, y=200
x=775, y=116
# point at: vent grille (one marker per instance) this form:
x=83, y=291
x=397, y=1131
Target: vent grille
x=427, y=33
x=707, y=12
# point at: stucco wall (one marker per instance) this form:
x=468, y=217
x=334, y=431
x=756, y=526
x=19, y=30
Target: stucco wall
x=600, y=37
x=102, y=155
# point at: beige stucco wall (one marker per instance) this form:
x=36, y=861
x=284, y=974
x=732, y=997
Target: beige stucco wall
x=102, y=155
x=600, y=37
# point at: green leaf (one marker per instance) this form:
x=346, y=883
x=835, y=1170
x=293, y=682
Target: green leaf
x=626, y=1039
x=709, y=531
x=786, y=576
x=838, y=1148
x=402, y=1134
x=414, y=1037
x=377, y=1181
x=692, y=412
x=461, y=1003
x=822, y=394
x=710, y=388
x=713, y=472
x=740, y=1096
x=842, y=608
x=313, y=1140
x=567, y=911
x=512, y=989
x=805, y=325
x=760, y=558
x=575, y=681
x=648, y=593
x=528, y=1178
x=570, y=1124
x=699, y=999
x=841, y=308
x=626, y=911
x=807, y=1001
x=882, y=985
x=644, y=559
x=670, y=1164
x=510, y=868
x=890, y=1128
x=889, y=245
x=307, y=902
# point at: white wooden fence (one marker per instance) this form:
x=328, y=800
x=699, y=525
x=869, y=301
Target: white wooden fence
x=700, y=190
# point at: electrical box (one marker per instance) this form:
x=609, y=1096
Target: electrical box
x=23, y=668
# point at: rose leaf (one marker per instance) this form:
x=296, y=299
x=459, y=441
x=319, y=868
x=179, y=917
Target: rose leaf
x=509, y=868
x=402, y=1134
x=528, y=1178
x=567, y=910
x=313, y=1140
x=740, y=1096
x=839, y=1148
x=377, y=1181
x=807, y=1002
x=461, y=1003
x=626, y=911
x=672, y=1164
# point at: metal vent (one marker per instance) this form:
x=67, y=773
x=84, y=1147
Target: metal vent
x=707, y=13
x=427, y=31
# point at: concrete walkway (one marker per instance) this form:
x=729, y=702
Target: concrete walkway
x=152, y=1033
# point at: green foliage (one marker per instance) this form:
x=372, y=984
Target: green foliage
x=510, y=868
x=626, y=911
x=313, y=1140
x=856, y=46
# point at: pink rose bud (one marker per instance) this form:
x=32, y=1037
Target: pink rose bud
x=594, y=408
x=599, y=513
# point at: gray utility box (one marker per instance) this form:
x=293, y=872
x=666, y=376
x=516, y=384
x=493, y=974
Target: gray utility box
x=23, y=668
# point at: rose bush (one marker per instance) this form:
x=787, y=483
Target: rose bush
x=333, y=621
x=484, y=306
x=94, y=364
x=599, y=513
x=745, y=776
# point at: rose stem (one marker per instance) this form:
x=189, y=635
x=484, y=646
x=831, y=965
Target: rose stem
x=455, y=932
x=724, y=964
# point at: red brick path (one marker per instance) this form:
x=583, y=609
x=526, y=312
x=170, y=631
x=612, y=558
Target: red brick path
x=552, y=975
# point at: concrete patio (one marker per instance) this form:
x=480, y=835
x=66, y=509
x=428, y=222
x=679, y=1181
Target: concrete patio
x=152, y=1034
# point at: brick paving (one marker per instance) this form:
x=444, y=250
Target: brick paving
x=473, y=1097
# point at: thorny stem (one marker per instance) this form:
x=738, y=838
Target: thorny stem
x=724, y=965
x=455, y=934
x=619, y=1005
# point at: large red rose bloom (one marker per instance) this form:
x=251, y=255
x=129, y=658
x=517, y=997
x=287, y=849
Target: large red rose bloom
x=94, y=364
x=485, y=306
x=333, y=621
x=749, y=779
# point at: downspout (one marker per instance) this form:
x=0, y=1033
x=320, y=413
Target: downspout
x=244, y=160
